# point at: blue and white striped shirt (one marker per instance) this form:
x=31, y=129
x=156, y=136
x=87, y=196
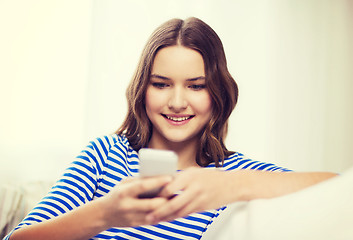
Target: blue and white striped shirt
x=101, y=166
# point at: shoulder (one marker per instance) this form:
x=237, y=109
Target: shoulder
x=104, y=144
x=108, y=141
x=237, y=161
x=108, y=149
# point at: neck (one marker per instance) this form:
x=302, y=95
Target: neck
x=186, y=151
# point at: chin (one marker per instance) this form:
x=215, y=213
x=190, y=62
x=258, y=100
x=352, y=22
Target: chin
x=179, y=139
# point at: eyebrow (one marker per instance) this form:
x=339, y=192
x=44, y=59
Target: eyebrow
x=166, y=78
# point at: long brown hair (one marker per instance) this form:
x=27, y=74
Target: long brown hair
x=197, y=35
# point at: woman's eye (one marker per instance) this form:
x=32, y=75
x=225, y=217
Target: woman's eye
x=197, y=86
x=159, y=85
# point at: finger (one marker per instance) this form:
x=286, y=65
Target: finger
x=150, y=193
x=171, y=207
x=191, y=207
x=147, y=184
x=175, y=187
x=199, y=203
x=143, y=205
x=168, y=191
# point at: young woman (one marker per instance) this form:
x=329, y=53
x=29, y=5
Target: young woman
x=179, y=99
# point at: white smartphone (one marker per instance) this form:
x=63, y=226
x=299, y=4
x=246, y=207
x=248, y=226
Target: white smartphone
x=156, y=162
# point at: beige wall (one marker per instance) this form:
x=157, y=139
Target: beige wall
x=65, y=66
x=44, y=59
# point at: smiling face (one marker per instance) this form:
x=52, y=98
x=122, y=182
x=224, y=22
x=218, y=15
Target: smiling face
x=177, y=101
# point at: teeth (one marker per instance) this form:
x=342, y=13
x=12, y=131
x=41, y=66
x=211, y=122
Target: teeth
x=178, y=119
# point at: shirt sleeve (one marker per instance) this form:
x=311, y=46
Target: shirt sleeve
x=238, y=161
x=76, y=186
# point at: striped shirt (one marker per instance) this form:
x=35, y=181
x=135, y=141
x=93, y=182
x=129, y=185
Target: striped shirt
x=100, y=167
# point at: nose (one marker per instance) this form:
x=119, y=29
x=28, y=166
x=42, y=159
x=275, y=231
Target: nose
x=177, y=101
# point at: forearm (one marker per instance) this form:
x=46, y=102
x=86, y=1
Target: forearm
x=121, y=207
x=82, y=223
x=251, y=185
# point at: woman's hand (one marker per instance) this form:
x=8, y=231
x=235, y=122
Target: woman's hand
x=123, y=208
x=193, y=190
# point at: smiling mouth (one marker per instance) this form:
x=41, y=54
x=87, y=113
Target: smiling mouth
x=177, y=119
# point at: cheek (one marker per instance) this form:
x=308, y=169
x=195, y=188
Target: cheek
x=203, y=104
x=153, y=101
x=149, y=101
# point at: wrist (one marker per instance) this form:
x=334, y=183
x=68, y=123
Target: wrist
x=238, y=186
x=102, y=214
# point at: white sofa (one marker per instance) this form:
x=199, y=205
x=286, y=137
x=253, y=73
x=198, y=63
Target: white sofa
x=16, y=200
x=323, y=211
